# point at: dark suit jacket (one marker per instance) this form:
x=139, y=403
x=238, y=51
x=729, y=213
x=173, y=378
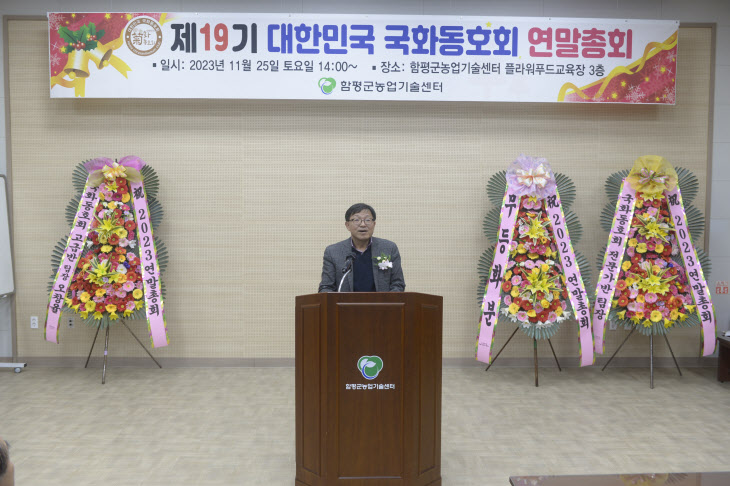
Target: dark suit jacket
x=388, y=280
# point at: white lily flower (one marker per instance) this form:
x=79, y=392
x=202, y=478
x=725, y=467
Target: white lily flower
x=385, y=265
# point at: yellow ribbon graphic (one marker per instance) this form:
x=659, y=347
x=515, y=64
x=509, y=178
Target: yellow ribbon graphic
x=651, y=49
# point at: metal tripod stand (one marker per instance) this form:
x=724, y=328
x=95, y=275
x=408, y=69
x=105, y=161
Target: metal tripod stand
x=106, y=349
x=651, y=356
x=534, y=342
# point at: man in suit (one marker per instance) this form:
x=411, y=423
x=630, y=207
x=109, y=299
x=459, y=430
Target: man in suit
x=368, y=264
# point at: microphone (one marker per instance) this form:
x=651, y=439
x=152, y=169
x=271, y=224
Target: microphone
x=349, y=259
x=347, y=269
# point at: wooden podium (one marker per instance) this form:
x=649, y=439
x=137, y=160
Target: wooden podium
x=354, y=428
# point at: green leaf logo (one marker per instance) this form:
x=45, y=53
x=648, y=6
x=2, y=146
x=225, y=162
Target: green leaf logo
x=370, y=366
x=327, y=85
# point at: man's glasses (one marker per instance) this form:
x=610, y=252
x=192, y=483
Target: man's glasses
x=357, y=221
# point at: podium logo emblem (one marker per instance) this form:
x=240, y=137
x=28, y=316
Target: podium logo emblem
x=370, y=366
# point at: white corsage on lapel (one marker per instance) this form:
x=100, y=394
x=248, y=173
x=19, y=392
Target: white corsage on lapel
x=384, y=262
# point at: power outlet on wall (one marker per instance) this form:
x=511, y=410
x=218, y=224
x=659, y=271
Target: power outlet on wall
x=70, y=321
x=34, y=322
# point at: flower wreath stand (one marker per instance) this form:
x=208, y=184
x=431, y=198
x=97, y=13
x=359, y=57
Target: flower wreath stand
x=652, y=278
x=531, y=275
x=109, y=267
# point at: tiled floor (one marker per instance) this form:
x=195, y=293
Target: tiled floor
x=235, y=426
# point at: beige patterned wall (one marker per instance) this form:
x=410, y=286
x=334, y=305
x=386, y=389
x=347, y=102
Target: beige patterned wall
x=254, y=190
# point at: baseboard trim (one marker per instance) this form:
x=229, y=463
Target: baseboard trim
x=145, y=362
x=572, y=362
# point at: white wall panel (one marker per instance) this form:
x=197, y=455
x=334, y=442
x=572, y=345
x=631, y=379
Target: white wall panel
x=722, y=123
x=697, y=10
x=578, y=8
x=721, y=164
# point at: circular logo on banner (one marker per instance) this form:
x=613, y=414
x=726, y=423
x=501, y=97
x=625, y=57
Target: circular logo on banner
x=370, y=366
x=327, y=85
x=143, y=36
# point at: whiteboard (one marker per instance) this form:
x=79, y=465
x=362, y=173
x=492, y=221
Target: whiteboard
x=6, y=261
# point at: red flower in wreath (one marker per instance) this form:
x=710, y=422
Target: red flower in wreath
x=113, y=239
x=506, y=286
x=623, y=301
x=130, y=225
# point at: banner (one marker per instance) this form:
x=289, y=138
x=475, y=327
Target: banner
x=491, y=300
x=69, y=260
x=573, y=279
x=609, y=273
x=361, y=57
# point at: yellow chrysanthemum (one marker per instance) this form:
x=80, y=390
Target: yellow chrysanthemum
x=626, y=265
x=559, y=311
x=521, y=249
x=122, y=233
x=640, y=298
x=513, y=308
x=125, y=197
x=633, y=242
x=531, y=313
x=112, y=205
x=84, y=297
x=91, y=306
x=544, y=267
x=111, y=308
x=514, y=292
x=659, y=248
x=656, y=316
x=100, y=292
x=641, y=248
x=545, y=303
x=137, y=293
x=508, y=275
x=106, y=248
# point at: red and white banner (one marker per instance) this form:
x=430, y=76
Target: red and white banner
x=361, y=57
